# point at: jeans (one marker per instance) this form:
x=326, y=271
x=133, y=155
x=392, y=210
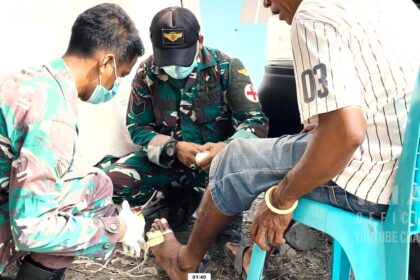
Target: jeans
x=247, y=167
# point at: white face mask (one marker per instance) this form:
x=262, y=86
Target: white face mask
x=180, y=72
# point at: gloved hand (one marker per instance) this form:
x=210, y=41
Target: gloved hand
x=133, y=238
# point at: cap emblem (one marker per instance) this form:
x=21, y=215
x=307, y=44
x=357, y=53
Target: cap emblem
x=173, y=36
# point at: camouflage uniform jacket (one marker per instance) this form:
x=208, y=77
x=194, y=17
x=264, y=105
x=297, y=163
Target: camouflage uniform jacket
x=37, y=143
x=216, y=102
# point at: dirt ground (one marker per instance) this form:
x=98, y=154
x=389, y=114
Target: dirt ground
x=287, y=264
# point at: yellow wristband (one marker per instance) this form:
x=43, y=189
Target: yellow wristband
x=274, y=209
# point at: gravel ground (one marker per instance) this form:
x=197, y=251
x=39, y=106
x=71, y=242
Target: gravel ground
x=287, y=264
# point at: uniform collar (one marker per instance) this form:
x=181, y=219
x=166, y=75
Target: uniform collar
x=57, y=66
x=206, y=59
x=61, y=73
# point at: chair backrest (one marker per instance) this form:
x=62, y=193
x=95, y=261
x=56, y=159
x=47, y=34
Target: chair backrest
x=404, y=210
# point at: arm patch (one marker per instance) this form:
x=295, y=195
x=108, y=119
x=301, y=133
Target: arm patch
x=241, y=95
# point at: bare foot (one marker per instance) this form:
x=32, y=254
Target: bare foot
x=167, y=253
x=233, y=248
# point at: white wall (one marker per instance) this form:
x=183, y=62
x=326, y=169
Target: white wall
x=35, y=32
x=279, y=43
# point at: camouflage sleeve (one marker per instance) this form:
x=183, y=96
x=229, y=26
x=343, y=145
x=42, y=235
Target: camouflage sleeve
x=141, y=121
x=242, y=99
x=39, y=220
x=6, y=153
x=5, y=158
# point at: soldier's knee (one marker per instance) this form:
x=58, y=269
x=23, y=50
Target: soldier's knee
x=103, y=183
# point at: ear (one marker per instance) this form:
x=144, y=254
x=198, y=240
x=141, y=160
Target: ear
x=107, y=60
x=200, y=40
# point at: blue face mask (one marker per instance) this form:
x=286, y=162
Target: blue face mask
x=101, y=94
x=180, y=72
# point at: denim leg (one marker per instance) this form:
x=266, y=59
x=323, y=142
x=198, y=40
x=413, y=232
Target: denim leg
x=247, y=167
x=331, y=193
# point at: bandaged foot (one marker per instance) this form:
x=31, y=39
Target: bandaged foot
x=166, y=251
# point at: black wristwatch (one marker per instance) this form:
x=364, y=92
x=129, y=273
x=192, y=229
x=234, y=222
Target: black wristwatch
x=169, y=149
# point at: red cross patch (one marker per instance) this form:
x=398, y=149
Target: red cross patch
x=251, y=93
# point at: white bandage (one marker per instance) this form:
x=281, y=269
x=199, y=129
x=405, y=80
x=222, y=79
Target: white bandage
x=200, y=156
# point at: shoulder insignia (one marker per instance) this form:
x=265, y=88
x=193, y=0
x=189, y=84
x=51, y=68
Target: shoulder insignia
x=243, y=72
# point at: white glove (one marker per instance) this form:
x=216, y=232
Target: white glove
x=200, y=156
x=133, y=238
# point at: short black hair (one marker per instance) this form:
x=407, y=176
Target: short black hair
x=105, y=27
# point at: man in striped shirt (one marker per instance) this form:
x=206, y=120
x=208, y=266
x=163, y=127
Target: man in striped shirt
x=355, y=68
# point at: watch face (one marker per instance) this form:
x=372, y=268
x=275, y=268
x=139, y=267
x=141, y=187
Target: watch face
x=170, y=150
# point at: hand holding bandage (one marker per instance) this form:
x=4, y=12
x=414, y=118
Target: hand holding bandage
x=207, y=153
x=185, y=153
x=133, y=239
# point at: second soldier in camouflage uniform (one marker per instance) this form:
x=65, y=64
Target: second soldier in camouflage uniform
x=185, y=98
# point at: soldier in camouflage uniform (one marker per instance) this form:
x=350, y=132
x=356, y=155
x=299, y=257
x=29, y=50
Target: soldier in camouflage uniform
x=186, y=98
x=46, y=209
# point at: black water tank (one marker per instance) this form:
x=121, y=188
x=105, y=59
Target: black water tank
x=277, y=95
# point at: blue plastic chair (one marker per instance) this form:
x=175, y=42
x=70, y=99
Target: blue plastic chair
x=371, y=248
